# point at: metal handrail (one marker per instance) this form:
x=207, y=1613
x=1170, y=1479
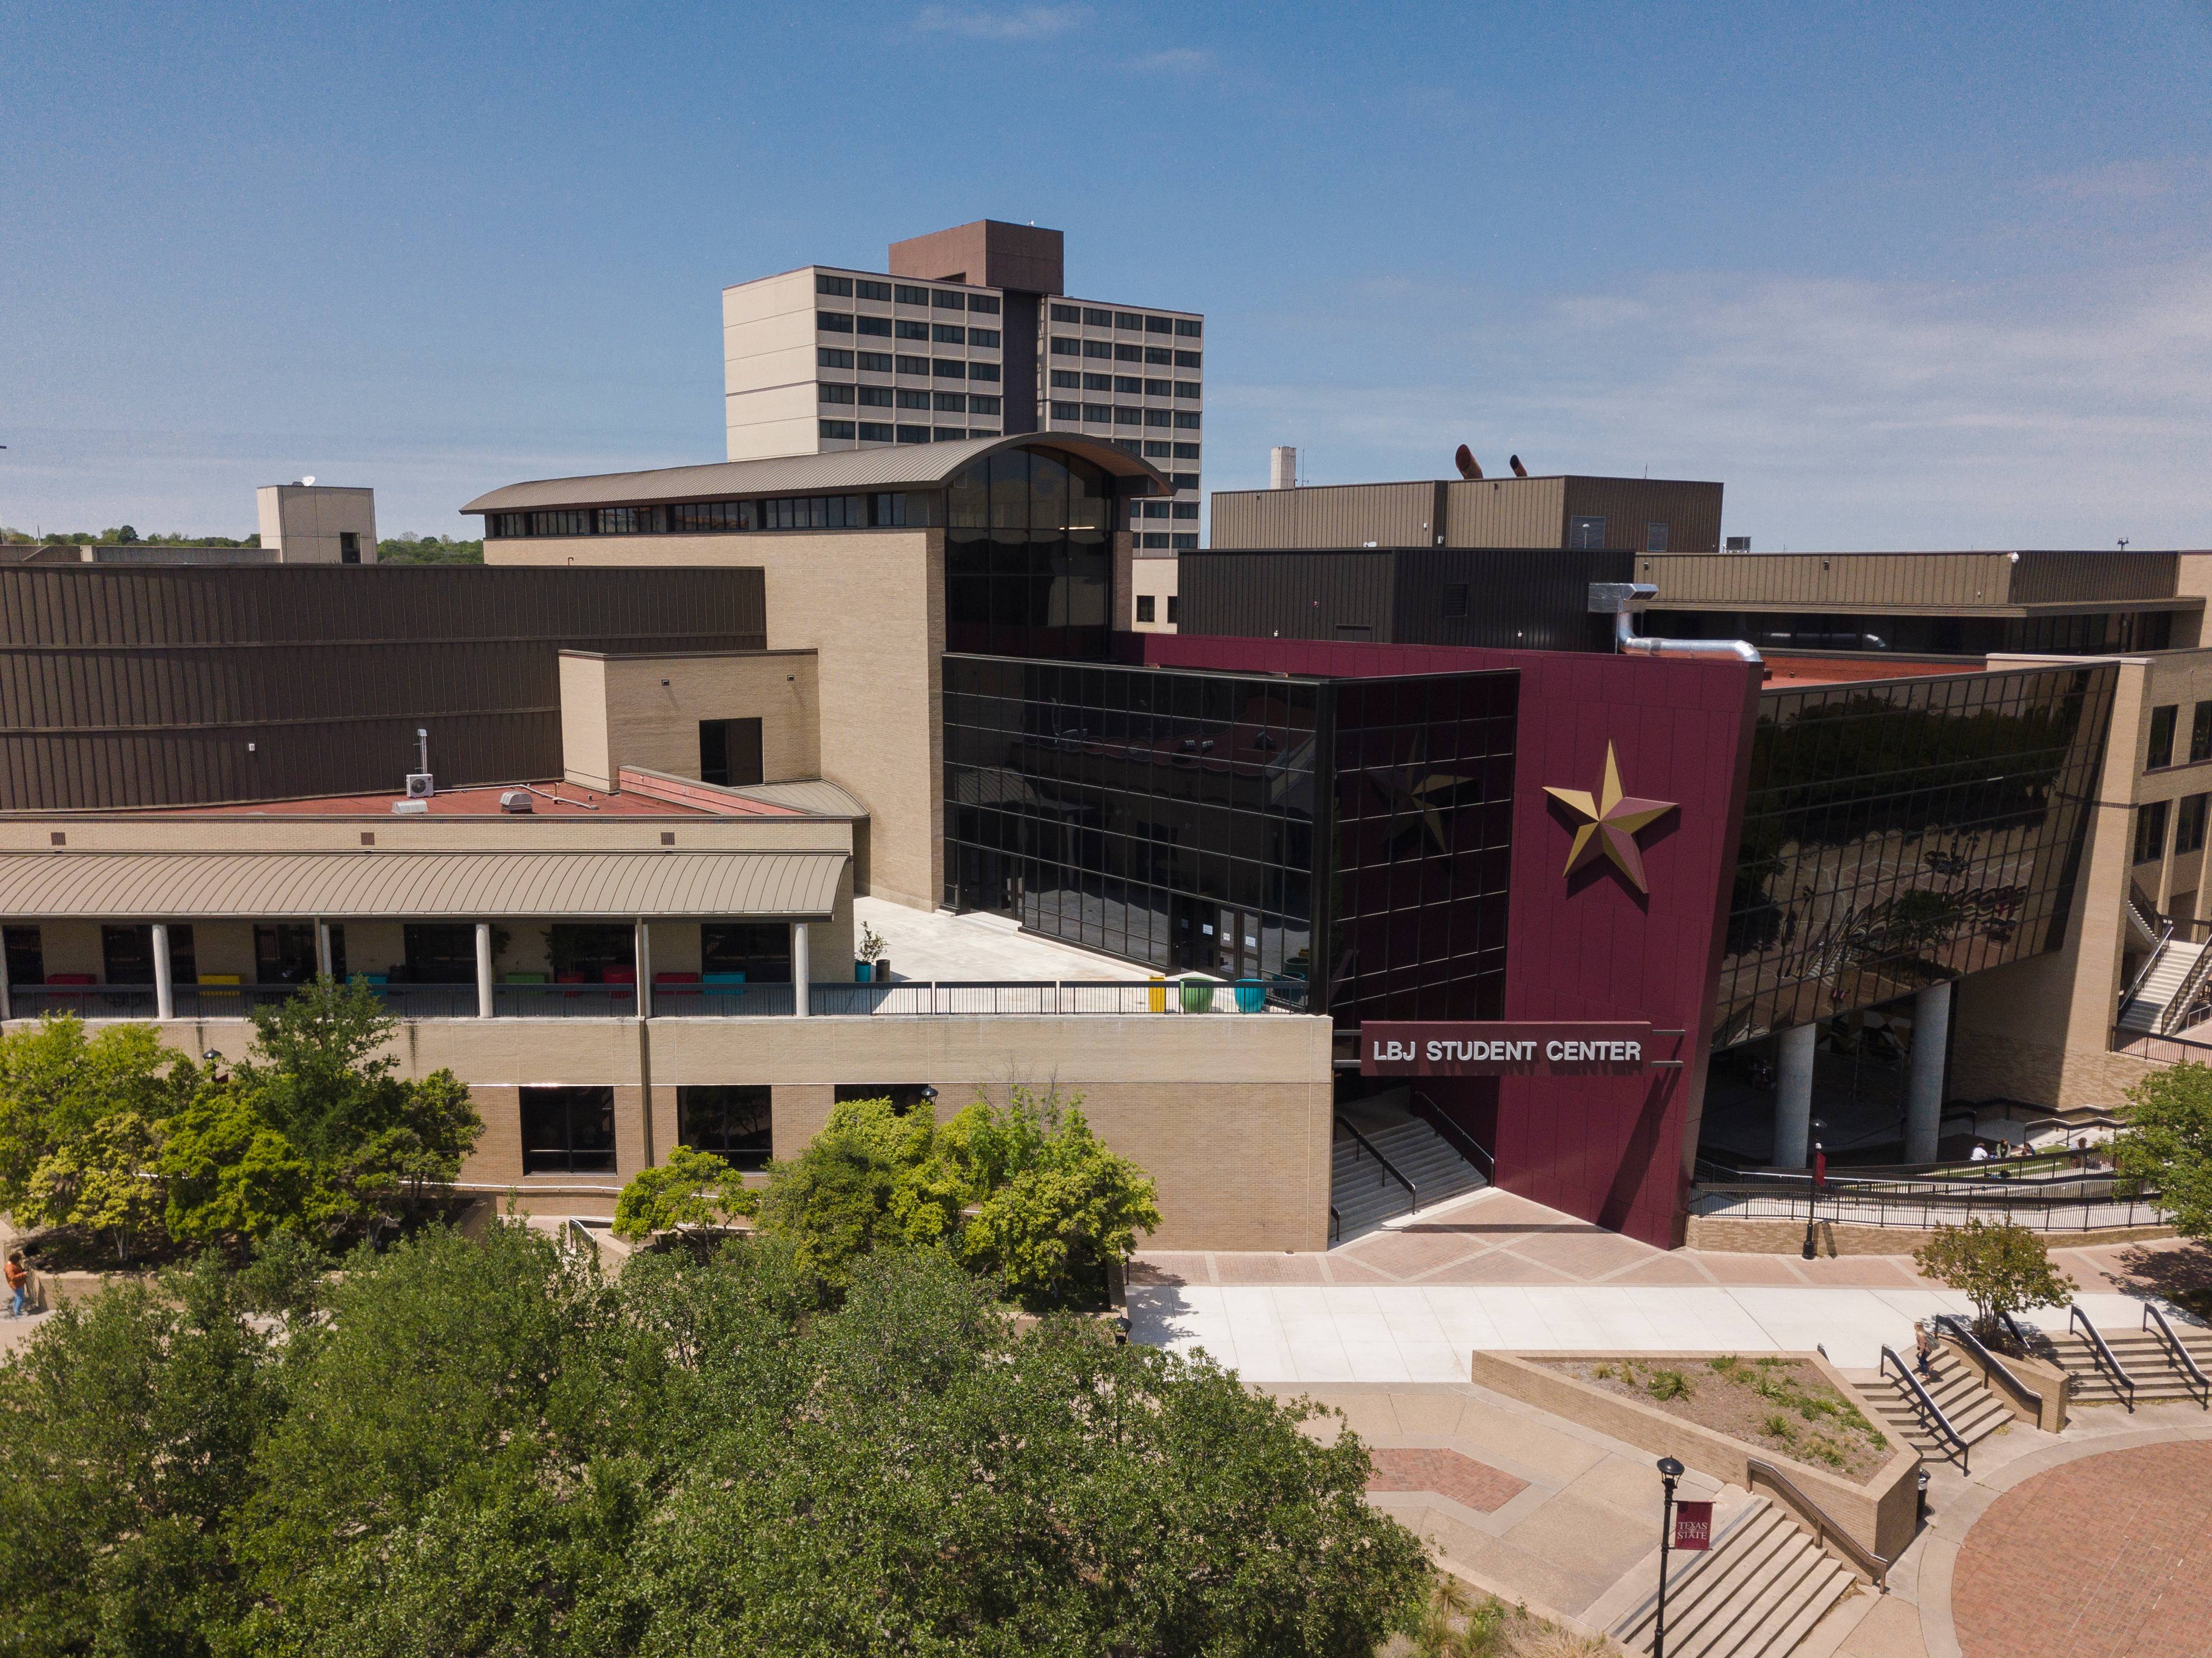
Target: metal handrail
x=2186, y=995
x=1388, y=1167
x=2181, y=1354
x=1940, y=1428
x=1993, y=1367
x=577, y=1232
x=1462, y=1142
x=2158, y=949
x=2018, y=1334
x=1825, y=1528
x=2103, y=1354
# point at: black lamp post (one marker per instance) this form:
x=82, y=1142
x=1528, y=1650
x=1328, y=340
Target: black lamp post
x=1669, y=1472
x=1811, y=1189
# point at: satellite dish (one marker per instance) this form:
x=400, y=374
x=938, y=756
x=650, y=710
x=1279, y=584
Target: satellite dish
x=1469, y=467
x=309, y=479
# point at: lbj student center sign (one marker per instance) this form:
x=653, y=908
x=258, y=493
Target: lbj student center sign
x=1459, y=1049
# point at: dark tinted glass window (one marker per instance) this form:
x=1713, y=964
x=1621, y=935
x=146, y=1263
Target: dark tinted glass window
x=2161, y=737
x=759, y=950
x=2151, y=831
x=730, y=752
x=734, y=1123
x=2200, y=733
x=2189, y=825
x=568, y=1131
x=127, y=954
x=26, y=955
x=441, y=953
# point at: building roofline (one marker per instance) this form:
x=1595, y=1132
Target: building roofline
x=927, y=465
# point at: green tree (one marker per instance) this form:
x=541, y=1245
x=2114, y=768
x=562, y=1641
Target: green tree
x=132, y=1423
x=1055, y=1206
x=56, y=1082
x=692, y=1189
x=104, y=1180
x=231, y=1178
x=872, y=1178
x=2167, y=1143
x=2004, y=1268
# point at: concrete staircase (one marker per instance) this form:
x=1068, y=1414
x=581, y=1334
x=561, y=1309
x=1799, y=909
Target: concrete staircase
x=1959, y=1391
x=1364, y=1196
x=2141, y=1353
x=1757, y=1593
x=2148, y=1006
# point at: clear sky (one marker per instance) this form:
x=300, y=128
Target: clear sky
x=1929, y=275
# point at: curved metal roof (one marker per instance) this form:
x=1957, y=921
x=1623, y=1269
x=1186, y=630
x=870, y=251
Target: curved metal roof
x=903, y=466
x=419, y=885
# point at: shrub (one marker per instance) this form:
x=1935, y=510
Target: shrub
x=692, y=1189
x=2004, y=1268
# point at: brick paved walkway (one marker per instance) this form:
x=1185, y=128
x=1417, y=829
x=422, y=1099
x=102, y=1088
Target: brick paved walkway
x=1448, y=1473
x=2109, y=1556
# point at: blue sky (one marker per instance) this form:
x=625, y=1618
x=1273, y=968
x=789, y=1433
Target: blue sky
x=1901, y=277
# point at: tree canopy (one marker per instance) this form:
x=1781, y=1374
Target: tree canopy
x=1027, y=1196
x=481, y=1448
x=2167, y=1143
x=117, y=1138
x=2004, y=1268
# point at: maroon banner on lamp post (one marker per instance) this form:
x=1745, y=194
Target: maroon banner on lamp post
x=1503, y=1048
x=1693, y=1526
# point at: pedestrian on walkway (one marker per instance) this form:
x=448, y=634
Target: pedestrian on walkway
x=18, y=1284
x=1925, y=1344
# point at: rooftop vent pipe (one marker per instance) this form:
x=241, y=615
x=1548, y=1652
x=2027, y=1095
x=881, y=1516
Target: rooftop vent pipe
x=1519, y=470
x=1612, y=599
x=1469, y=467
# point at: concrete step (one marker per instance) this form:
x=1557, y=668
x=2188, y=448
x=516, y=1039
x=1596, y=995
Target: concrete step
x=1973, y=1410
x=1364, y=1196
x=2147, y=1360
x=2159, y=990
x=1757, y=1594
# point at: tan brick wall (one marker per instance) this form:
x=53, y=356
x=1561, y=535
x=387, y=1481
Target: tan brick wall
x=645, y=711
x=1230, y=1116
x=872, y=603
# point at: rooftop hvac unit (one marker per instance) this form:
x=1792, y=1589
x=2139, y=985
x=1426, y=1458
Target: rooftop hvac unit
x=516, y=800
x=420, y=786
x=1739, y=543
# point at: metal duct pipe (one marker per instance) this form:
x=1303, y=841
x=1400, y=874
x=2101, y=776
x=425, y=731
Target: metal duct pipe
x=1613, y=597
x=1628, y=641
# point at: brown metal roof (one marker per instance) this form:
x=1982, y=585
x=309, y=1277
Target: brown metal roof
x=419, y=885
x=906, y=465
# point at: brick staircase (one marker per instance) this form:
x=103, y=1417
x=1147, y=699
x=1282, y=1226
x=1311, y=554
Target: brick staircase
x=1365, y=1196
x=1959, y=1391
x=1757, y=1593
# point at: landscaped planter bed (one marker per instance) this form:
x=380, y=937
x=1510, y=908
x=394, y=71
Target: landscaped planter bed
x=1879, y=1511
x=1783, y=1404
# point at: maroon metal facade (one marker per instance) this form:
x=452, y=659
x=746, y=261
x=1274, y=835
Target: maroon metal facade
x=1589, y=948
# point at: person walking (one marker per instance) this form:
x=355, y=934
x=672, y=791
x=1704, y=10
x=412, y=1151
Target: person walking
x=1925, y=1344
x=18, y=1284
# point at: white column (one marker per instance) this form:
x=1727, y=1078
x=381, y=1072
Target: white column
x=1923, y=1089
x=800, y=970
x=322, y=947
x=642, y=949
x=484, y=970
x=165, y=992
x=1793, y=1096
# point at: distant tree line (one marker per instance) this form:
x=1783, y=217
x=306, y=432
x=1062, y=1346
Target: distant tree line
x=122, y=535
x=429, y=549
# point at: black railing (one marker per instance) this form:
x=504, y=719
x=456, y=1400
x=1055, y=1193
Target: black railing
x=1932, y=1414
x=2084, y=1201
x=2123, y=1383
x=1994, y=1370
x=2199, y=1385
x=1453, y=1135
x=1388, y=1167
x=903, y=998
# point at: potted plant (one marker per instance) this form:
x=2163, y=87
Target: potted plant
x=1198, y=995
x=873, y=963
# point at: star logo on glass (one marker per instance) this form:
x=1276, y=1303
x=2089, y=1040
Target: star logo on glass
x=1609, y=824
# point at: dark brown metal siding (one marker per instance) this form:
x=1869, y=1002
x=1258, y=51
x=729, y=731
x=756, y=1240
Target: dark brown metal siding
x=2087, y=578
x=1288, y=595
x=1690, y=511
x=1518, y=598
x=143, y=687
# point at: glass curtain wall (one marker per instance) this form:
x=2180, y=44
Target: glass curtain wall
x=1423, y=846
x=1028, y=556
x=1217, y=823
x=1901, y=833
x=1167, y=817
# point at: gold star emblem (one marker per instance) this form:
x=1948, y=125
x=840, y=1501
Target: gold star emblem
x=1610, y=824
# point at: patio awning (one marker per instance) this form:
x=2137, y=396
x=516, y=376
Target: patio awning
x=409, y=885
